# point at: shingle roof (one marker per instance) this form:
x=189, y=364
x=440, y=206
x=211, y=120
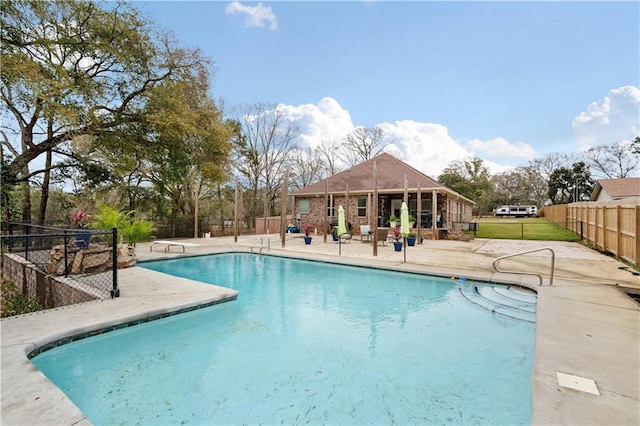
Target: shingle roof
x=617, y=188
x=391, y=174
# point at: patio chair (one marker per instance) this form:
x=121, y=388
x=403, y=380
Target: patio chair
x=365, y=232
x=382, y=235
x=345, y=237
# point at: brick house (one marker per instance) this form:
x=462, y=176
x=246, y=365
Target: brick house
x=437, y=206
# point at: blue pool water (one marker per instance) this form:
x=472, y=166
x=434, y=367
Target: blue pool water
x=306, y=343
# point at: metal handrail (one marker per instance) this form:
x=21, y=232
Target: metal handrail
x=553, y=262
x=260, y=244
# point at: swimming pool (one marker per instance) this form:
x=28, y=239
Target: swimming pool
x=306, y=342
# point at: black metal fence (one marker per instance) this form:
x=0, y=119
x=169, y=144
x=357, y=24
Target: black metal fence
x=521, y=230
x=71, y=265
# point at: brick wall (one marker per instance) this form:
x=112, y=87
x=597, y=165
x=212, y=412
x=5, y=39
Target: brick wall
x=52, y=292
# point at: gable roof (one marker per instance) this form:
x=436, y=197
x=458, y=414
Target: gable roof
x=617, y=188
x=391, y=174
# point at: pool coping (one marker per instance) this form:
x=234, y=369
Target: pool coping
x=588, y=330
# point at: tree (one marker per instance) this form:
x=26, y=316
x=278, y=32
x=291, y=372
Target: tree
x=306, y=167
x=469, y=178
x=546, y=165
x=568, y=185
x=327, y=153
x=77, y=69
x=261, y=154
x=522, y=185
x=362, y=144
x=188, y=144
x=635, y=146
x=618, y=160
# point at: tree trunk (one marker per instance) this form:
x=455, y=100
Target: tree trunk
x=44, y=196
x=196, y=208
x=24, y=186
x=26, y=201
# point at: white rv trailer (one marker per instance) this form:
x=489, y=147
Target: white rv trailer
x=517, y=211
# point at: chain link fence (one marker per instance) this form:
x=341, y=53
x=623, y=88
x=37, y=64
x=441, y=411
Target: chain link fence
x=61, y=266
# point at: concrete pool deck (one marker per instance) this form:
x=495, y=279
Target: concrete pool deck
x=586, y=325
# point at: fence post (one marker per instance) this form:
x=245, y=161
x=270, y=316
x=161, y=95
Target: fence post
x=581, y=235
x=636, y=237
x=619, y=231
x=522, y=231
x=114, y=265
x=66, y=255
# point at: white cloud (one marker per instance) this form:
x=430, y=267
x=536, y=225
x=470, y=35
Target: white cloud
x=500, y=147
x=327, y=121
x=613, y=119
x=426, y=146
x=256, y=16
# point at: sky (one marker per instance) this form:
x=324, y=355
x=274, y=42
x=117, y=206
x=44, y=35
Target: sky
x=507, y=82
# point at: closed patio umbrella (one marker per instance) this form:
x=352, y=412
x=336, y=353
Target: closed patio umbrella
x=342, y=224
x=404, y=226
x=342, y=227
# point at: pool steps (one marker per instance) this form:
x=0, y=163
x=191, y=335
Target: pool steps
x=510, y=301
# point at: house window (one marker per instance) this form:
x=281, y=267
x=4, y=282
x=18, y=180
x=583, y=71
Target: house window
x=362, y=207
x=331, y=210
x=303, y=205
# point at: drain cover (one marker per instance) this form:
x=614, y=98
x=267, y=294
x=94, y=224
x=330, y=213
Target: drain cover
x=581, y=384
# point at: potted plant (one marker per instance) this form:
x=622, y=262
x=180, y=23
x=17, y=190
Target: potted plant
x=135, y=230
x=334, y=233
x=307, y=230
x=393, y=220
x=411, y=239
x=81, y=221
x=108, y=218
x=397, y=244
x=412, y=222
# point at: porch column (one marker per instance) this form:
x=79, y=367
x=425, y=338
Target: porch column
x=434, y=214
x=419, y=214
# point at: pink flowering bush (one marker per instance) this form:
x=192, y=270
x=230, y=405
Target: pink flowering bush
x=396, y=233
x=81, y=219
x=307, y=229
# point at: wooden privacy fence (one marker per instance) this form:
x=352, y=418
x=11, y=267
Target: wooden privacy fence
x=611, y=226
x=271, y=224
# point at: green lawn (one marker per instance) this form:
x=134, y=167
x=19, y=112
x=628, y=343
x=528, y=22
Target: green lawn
x=535, y=228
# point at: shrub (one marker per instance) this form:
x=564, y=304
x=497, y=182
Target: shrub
x=136, y=230
x=15, y=303
x=130, y=229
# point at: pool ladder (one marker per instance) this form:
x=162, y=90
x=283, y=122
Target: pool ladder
x=553, y=262
x=259, y=244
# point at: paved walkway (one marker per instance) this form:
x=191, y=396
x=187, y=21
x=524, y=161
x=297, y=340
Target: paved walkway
x=586, y=325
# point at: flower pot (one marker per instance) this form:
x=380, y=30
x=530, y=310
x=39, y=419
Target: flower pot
x=307, y=240
x=392, y=224
x=335, y=237
x=397, y=245
x=83, y=238
x=411, y=241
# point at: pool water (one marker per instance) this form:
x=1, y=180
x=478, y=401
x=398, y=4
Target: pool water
x=305, y=343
